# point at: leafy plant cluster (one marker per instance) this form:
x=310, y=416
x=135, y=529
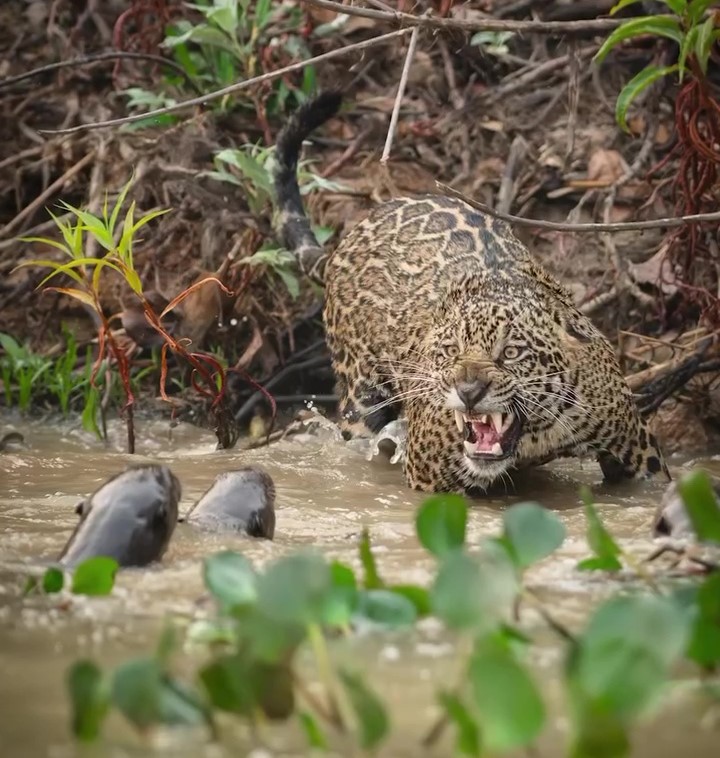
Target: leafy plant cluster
x=230, y=41
x=694, y=34
x=117, y=240
x=268, y=622
x=250, y=168
x=30, y=379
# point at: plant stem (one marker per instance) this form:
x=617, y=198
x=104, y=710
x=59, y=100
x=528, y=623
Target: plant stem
x=339, y=702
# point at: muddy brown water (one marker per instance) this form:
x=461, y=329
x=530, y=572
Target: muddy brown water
x=327, y=491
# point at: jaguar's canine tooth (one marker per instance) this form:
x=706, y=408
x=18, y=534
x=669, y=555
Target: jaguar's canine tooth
x=496, y=449
x=497, y=421
x=459, y=421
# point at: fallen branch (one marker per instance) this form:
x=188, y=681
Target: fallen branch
x=49, y=192
x=267, y=77
x=560, y=226
x=485, y=24
x=400, y=94
x=108, y=56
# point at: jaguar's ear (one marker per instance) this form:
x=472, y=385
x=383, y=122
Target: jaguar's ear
x=573, y=332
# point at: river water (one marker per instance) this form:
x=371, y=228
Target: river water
x=326, y=492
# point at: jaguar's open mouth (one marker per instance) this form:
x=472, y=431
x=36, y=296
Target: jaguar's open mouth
x=490, y=436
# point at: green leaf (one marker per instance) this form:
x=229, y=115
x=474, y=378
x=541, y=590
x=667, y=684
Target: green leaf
x=676, y=6
x=119, y=203
x=705, y=39
x=597, y=732
x=180, y=705
x=635, y=86
x=295, y=589
x=45, y=241
x=473, y=592
x=386, y=607
x=372, y=577
x=697, y=8
x=374, y=722
x=95, y=576
x=53, y=581
x=701, y=504
x=342, y=599
x=136, y=691
x=468, y=732
x=625, y=653
x=602, y=544
x=230, y=578
x=661, y=26
x=313, y=731
x=227, y=679
x=532, y=532
x=704, y=645
x=440, y=523
x=89, y=699
x=511, y=711
x=418, y=596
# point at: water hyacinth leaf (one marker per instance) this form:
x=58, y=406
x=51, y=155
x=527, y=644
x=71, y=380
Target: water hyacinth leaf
x=531, y=532
x=227, y=680
x=510, y=710
x=624, y=676
x=704, y=644
x=372, y=718
x=604, y=547
x=53, y=581
x=700, y=502
x=636, y=620
x=441, y=522
x=273, y=686
x=181, y=705
x=467, y=741
x=269, y=640
x=597, y=732
x=295, y=589
x=230, y=578
x=136, y=691
x=372, y=577
x=472, y=591
x=635, y=86
x=623, y=656
x=386, y=607
x=95, y=576
x=418, y=596
x=89, y=698
x=313, y=732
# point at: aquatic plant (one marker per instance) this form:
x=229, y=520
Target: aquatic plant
x=613, y=668
x=118, y=239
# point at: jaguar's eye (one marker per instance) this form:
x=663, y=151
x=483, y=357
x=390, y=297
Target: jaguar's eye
x=452, y=351
x=511, y=352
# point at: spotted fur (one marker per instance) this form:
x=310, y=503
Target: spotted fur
x=427, y=295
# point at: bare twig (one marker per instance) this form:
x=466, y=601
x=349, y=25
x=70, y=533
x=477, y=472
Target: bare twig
x=557, y=226
x=267, y=77
x=399, y=96
x=41, y=198
x=506, y=193
x=482, y=24
x=109, y=56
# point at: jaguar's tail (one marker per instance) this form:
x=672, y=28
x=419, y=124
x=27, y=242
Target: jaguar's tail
x=291, y=224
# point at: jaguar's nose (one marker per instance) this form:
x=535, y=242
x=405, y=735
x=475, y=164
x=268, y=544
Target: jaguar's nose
x=471, y=393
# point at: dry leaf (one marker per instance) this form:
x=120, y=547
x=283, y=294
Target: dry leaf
x=606, y=166
x=657, y=271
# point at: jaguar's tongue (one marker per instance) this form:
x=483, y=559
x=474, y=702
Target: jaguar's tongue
x=484, y=434
x=486, y=438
